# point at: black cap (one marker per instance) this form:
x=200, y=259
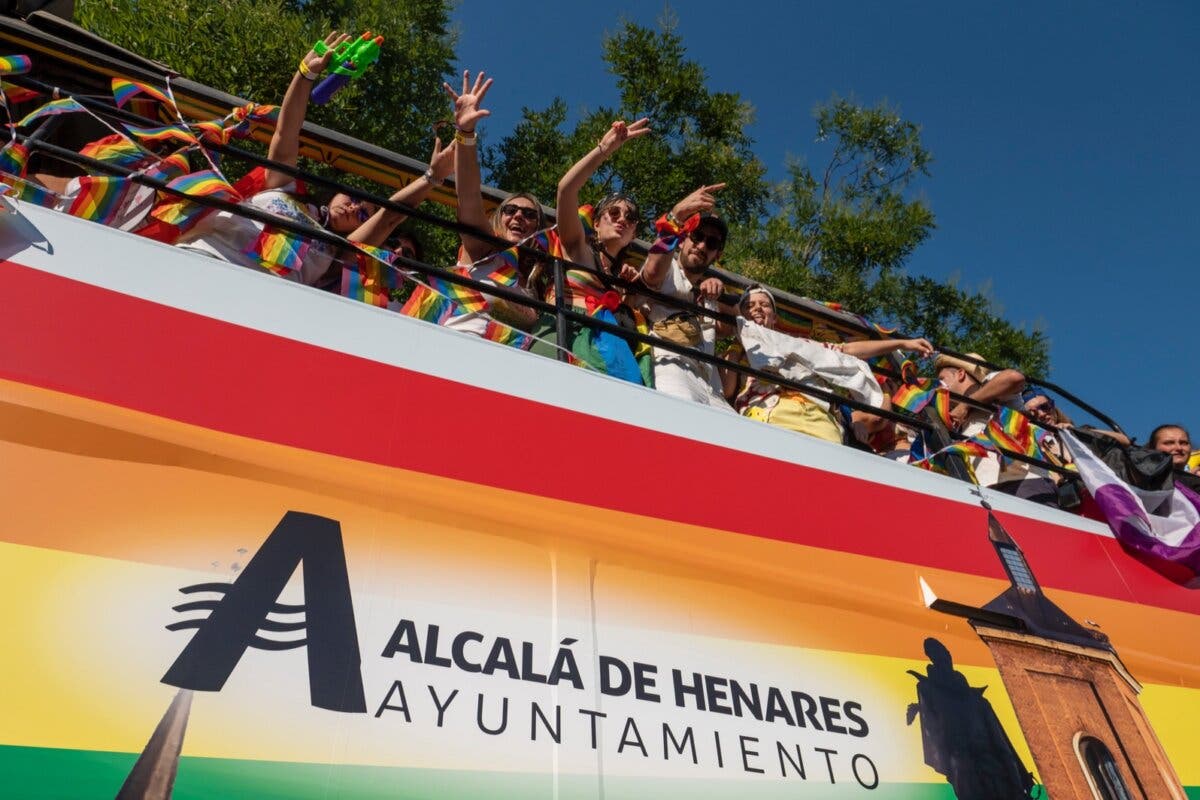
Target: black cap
x=716, y=222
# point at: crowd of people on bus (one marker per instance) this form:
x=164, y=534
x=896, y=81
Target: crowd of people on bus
x=831, y=389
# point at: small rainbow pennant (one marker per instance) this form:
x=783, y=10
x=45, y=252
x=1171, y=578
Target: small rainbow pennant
x=14, y=158
x=99, y=198
x=65, y=105
x=278, y=250
x=114, y=149
x=163, y=133
x=372, y=279
x=124, y=89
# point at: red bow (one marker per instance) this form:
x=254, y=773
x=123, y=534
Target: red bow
x=609, y=300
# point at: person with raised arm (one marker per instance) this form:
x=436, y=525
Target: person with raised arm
x=514, y=220
x=600, y=247
x=230, y=237
x=690, y=240
x=839, y=368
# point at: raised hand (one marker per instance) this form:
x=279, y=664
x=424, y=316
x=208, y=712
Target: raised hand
x=441, y=161
x=316, y=64
x=698, y=202
x=620, y=132
x=921, y=346
x=710, y=288
x=466, y=103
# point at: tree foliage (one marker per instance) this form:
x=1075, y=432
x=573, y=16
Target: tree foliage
x=250, y=48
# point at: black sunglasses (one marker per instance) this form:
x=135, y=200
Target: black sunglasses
x=508, y=209
x=711, y=241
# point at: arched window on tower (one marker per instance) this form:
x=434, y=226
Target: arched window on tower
x=1101, y=769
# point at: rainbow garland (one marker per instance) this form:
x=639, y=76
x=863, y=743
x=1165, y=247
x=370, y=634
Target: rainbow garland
x=913, y=397
x=115, y=150
x=371, y=279
x=65, y=105
x=14, y=159
x=124, y=89
x=28, y=191
x=278, y=251
x=1012, y=430
x=15, y=65
x=163, y=133
x=99, y=198
x=205, y=183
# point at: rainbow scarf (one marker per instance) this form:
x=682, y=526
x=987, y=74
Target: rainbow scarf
x=14, y=159
x=66, y=105
x=99, y=198
x=123, y=89
x=15, y=65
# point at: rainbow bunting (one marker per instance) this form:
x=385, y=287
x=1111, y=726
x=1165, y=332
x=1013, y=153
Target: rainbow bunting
x=99, y=198
x=15, y=65
x=66, y=105
x=29, y=192
x=212, y=131
x=205, y=183
x=371, y=280
x=507, y=335
x=114, y=150
x=941, y=404
x=1011, y=430
x=169, y=168
x=238, y=121
x=163, y=133
x=14, y=159
x=279, y=251
x=426, y=304
x=123, y=89
x=466, y=298
x=18, y=94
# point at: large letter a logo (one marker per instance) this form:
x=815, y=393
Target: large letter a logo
x=334, y=676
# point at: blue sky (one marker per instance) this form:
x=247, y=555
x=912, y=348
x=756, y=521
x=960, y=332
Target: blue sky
x=1065, y=141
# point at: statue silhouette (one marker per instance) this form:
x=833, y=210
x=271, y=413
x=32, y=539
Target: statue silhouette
x=962, y=736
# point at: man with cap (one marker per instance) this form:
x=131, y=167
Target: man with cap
x=691, y=239
x=1003, y=387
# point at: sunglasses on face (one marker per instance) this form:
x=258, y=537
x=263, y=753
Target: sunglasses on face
x=616, y=214
x=528, y=214
x=711, y=241
x=1044, y=408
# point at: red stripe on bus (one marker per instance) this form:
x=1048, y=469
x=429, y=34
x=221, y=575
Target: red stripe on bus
x=83, y=340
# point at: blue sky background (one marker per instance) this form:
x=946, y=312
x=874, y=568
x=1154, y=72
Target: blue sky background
x=1065, y=139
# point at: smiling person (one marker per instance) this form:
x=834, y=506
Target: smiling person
x=839, y=368
x=691, y=239
x=517, y=218
x=1174, y=440
x=230, y=237
x=615, y=222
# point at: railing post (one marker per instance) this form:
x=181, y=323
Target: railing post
x=560, y=321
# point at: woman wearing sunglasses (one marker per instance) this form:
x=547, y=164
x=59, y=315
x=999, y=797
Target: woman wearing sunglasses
x=601, y=246
x=233, y=238
x=514, y=220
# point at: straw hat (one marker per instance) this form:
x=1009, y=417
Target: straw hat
x=976, y=371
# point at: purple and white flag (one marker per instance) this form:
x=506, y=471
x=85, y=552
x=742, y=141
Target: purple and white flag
x=1167, y=540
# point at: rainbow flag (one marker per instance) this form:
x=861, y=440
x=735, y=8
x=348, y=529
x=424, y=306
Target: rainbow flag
x=123, y=89
x=169, y=168
x=372, y=279
x=14, y=159
x=507, y=335
x=66, y=105
x=1012, y=430
x=426, y=304
x=18, y=94
x=212, y=130
x=99, y=198
x=15, y=65
x=28, y=191
x=239, y=121
x=163, y=133
x=205, y=183
x=913, y=397
x=115, y=150
x=279, y=251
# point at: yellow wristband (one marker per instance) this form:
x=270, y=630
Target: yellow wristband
x=305, y=73
x=464, y=138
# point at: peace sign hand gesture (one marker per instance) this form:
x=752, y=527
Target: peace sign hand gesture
x=620, y=132
x=466, y=103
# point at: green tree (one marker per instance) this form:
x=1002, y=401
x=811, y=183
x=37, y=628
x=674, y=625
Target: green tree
x=250, y=48
x=699, y=135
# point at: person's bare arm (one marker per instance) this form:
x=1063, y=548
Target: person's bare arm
x=285, y=141
x=654, y=268
x=870, y=348
x=570, y=229
x=379, y=227
x=467, y=181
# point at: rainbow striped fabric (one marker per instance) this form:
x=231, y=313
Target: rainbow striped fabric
x=65, y=105
x=115, y=150
x=28, y=191
x=913, y=397
x=124, y=89
x=205, y=183
x=14, y=159
x=18, y=94
x=15, y=65
x=239, y=121
x=426, y=304
x=277, y=250
x=99, y=198
x=169, y=168
x=163, y=133
x=371, y=279
x=1011, y=430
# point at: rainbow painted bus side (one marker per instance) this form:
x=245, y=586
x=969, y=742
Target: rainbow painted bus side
x=501, y=575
